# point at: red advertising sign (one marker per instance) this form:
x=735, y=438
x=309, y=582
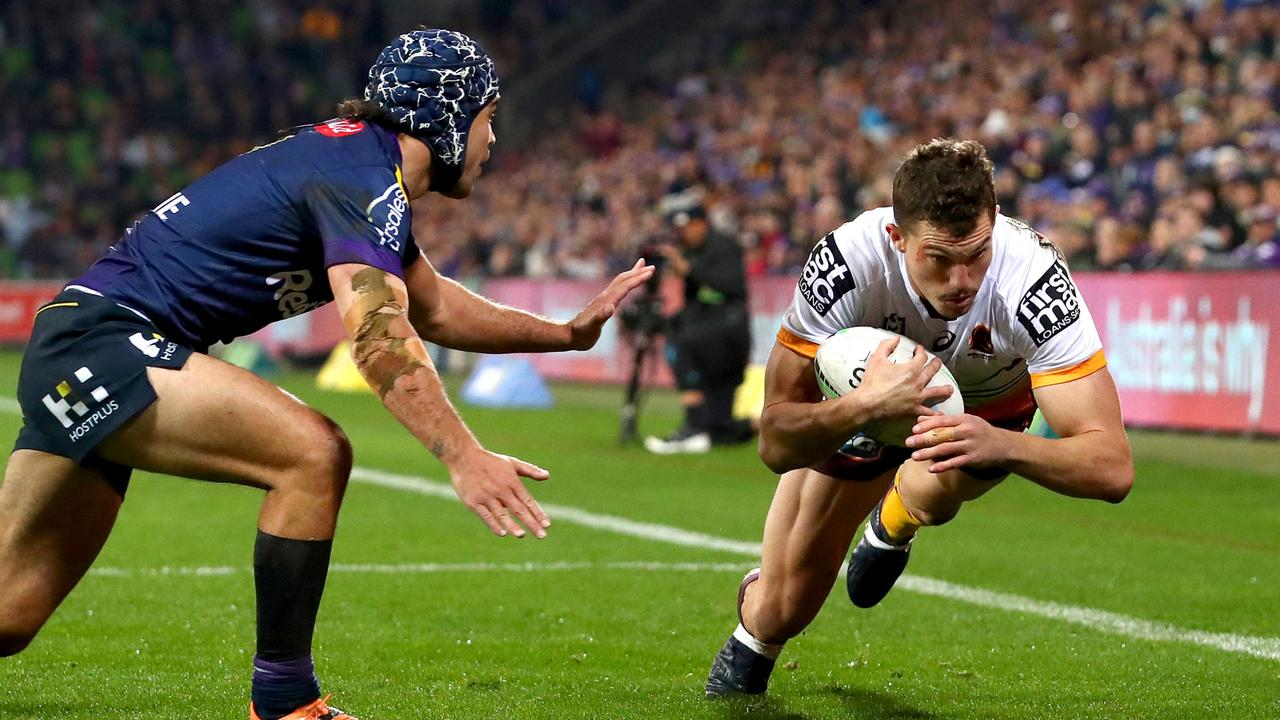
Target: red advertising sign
x=1188, y=351
x=1191, y=351
x=609, y=361
x=18, y=305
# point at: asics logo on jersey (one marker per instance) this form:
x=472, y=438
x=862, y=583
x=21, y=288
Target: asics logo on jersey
x=943, y=343
x=291, y=297
x=387, y=213
x=826, y=277
x=1050, y=306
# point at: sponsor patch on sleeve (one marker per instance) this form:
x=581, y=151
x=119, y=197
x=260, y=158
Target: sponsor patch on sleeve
x=826, y=277
x=339, y=127
x=389, y=214
x=1050, y=306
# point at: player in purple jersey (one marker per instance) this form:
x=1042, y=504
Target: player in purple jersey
x=115, y=378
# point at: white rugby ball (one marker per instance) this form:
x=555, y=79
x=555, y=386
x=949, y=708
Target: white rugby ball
x=842, y=360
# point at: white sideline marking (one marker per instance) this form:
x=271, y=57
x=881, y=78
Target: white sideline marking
x=621, y=526
x=425, y=568
x=11, y=406
x=1100, y=620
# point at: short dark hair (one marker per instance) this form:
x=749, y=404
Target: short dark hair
x=945, y=182
x=361, y=109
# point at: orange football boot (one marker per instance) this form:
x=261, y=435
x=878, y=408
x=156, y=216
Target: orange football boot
x=318, y=710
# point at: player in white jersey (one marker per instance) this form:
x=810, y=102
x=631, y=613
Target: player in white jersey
x=995, y=302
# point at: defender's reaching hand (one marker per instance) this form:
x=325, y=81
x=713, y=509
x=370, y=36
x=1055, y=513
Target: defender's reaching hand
x=584, y=330
x=489, y=485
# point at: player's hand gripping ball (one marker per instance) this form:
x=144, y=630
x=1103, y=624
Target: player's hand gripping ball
x=842, y=360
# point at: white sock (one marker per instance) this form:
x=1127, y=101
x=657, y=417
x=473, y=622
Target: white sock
x=761, y=648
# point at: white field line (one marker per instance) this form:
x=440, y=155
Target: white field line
x=611, y=523
x=427, y=568
x=1100, y=620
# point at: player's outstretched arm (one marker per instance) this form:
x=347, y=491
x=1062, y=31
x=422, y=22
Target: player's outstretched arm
x=393, y=360
x=446, y=313
x=1091, y=459
x=798, y=429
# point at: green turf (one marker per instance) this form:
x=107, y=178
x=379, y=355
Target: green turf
x=1197, y=546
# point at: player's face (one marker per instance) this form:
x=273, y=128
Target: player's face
x=946, y=271
x=479, y=141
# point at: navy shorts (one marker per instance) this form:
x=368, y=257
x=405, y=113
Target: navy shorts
x=84, y=374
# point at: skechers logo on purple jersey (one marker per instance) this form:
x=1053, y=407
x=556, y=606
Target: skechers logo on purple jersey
x=1050, y=306
x=826, y=277
x=387, y=213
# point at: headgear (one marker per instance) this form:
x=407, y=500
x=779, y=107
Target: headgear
x=433, y=83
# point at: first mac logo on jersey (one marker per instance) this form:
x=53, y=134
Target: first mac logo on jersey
x=1050, y=306
x=826, y=277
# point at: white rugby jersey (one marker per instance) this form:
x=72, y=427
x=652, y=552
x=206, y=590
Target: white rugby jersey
x=1028, y=326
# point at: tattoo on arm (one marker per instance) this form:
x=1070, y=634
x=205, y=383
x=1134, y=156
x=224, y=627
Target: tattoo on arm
x=386, y=348
x=384, y=358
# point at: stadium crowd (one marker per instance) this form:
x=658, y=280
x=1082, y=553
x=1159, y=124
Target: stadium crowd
x=113, y=105
x=1136, y=135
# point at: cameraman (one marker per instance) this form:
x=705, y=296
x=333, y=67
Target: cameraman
x=709, y=340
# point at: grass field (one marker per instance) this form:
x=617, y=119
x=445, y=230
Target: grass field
x=1028, y=605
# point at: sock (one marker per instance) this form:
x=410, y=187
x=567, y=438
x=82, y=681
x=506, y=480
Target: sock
x=760, y=648
x=279, y=688
x=719, y=409
x=695, y=417
x=896, y=520
x=289, y=577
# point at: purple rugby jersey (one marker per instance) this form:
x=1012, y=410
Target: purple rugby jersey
x=249, y=243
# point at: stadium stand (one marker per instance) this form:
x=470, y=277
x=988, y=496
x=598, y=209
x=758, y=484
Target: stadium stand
x=1138, y=135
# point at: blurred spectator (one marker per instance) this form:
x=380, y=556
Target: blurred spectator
x=1119, y=246
x=788, y=118
x=1098, y=128
x=115, y=104
x=1261, y=247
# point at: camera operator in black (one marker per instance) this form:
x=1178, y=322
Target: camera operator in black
x=709, y=340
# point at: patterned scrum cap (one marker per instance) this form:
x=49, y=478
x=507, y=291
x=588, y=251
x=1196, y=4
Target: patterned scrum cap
x=433, y=83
